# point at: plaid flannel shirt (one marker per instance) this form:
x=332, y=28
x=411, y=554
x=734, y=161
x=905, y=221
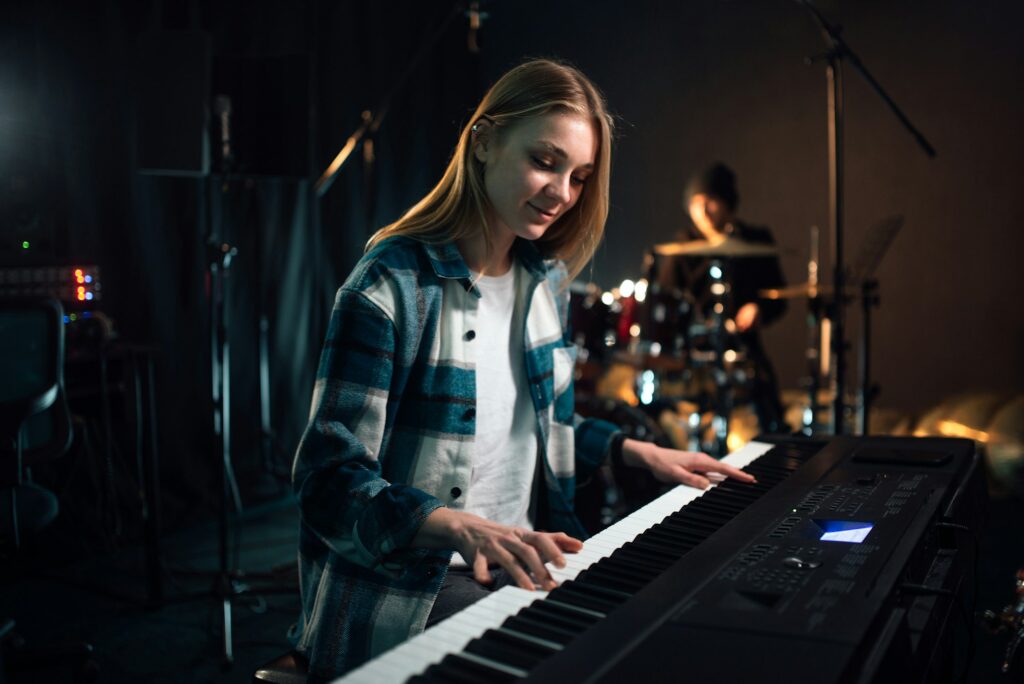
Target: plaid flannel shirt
x=390, y=439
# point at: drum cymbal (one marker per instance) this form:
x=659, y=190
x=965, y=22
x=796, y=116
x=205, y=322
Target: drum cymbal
x=802, y=290
x=728, y=248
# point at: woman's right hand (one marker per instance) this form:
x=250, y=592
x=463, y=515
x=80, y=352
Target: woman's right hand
x=521, y=552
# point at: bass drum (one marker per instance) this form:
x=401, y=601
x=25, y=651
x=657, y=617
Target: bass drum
x=660, y=322
x=593, y=321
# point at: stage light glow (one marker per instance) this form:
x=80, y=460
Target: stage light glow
x=634, y=330
x=640, y=291
x=951, y=428
x=607, y=298
x=715, y=272
x=626, y=288
x=24, y=244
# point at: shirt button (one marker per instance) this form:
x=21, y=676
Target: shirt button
x=456, y=492
x=470, y=335
x=469, y=414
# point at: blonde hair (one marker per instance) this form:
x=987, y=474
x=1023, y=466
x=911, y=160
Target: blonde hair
x=457, y=206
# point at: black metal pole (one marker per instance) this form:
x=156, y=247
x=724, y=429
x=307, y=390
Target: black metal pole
x=834, y=75
x=868, y=298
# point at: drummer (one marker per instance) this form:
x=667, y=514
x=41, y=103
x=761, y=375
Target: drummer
x=711, y=197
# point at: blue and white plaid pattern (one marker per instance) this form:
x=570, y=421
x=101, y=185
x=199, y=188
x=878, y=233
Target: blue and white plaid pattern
x=390, y=439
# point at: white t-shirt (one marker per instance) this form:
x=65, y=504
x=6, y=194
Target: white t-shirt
x=505, y=457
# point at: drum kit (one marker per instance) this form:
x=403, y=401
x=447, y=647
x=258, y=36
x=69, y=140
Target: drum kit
x=683, y=364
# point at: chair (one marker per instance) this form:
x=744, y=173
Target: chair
x=35, y=425
x=32, y=403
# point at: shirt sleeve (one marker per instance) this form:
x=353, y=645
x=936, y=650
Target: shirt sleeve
x=593, y=444
x=337, y=476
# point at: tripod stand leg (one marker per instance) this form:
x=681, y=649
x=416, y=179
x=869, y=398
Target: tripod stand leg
x=228, y=655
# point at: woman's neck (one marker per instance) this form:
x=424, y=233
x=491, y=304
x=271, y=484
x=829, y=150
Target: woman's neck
x=495, y=262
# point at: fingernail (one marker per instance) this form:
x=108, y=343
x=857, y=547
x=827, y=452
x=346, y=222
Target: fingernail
x=560, y=562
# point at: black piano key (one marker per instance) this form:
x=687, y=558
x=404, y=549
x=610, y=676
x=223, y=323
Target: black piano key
x=696, y=523
x=611, y=593
x=734, y=486
x=529, y=624
x=508, y=650
x=647, y=551
x=683, y=538
x=713, y=508
x=561, y=615
x=693, y=535
x=616, y=568
x=631, y=560
x=604, y=578
x=588, y=597
x=726, y=494
x=455, y=668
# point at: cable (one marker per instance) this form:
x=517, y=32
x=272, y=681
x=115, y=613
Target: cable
x=925, y=590
x=975, y=589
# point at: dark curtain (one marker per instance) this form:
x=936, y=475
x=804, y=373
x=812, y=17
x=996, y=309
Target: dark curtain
x=70, y=80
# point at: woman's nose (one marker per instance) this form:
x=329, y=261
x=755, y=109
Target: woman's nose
x=560, y=189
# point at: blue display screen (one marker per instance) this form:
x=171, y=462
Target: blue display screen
x=849, y=531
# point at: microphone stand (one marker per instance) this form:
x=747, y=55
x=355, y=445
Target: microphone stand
x=229, y=582
x=373, y=118
x=838, y=51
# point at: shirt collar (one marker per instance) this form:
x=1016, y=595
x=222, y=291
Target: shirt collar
x=447, y=262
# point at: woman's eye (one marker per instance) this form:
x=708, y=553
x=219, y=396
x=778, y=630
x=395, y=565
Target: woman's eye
x=579, y=181
x=543, y=164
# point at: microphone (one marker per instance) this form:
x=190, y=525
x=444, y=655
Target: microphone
x=476, y=18
x=222, y=108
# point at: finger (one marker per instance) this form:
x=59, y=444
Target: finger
x=549, y=551
x=732, y=472
x=692, y=479
x=566, y=543
x=511, y=564
x=480, y=572
x=527, y=555
x=709, y=464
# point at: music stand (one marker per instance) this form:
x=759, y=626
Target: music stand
x=877, y=241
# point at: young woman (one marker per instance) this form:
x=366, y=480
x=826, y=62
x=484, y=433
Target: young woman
x=442, y=419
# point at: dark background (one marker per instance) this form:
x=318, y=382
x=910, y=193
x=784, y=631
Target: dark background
x=88, y=90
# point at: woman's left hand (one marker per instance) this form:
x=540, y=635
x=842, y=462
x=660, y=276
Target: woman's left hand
x=672, y=465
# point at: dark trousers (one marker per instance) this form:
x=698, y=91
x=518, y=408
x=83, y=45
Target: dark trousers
x=460, y=591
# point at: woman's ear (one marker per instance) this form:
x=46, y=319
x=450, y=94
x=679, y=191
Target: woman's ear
x=481, y=132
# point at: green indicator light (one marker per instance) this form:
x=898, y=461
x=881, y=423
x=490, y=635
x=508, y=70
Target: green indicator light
x=74, y=317
x=24, y=244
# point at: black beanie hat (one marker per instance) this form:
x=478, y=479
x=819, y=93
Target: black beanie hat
x=717, y=181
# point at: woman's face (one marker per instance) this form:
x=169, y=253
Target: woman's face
x=534, y=172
